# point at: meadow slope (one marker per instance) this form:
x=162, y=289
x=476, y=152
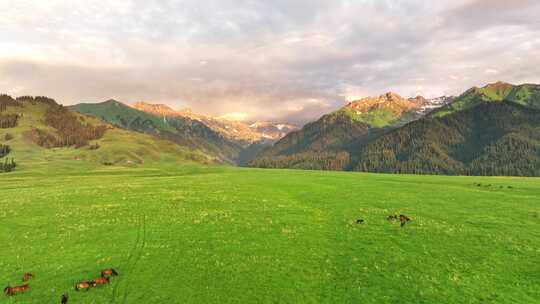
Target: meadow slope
x=210, y=234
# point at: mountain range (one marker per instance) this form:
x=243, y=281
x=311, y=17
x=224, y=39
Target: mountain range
x=337, y=135
x=224, y=139
x=241, y=132
x=490, y=130
x=493, y=130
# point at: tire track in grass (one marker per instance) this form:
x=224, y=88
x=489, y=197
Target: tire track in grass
x=128, y=260
x=139, y=255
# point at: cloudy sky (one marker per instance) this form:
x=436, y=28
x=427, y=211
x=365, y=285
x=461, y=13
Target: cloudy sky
x=281, y=59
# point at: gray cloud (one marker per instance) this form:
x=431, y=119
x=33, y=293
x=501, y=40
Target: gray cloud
x=281, y=60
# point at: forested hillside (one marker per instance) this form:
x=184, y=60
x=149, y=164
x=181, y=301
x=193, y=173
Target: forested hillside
x=329, y=143
x=7, y=121
x=488, y=139
x=492, y=130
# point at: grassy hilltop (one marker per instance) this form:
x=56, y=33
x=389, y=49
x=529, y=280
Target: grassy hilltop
x=116, y=146
x=199, y=234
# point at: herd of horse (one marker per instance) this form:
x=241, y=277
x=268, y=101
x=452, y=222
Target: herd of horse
x=105, y=278
x=403, y=219
x=106, y=274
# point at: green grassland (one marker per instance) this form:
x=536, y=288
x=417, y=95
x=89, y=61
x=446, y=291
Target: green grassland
x=193, y=233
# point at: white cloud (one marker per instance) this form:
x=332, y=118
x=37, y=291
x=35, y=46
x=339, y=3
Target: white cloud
x=265, y=59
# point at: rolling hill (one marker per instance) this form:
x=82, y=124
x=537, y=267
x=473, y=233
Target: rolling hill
x=46, y=132
x=180, y=130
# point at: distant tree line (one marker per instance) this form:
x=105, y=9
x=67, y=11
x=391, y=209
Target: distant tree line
x=7, y=164
x=36, y=100
x=7, y=101
x=8, y=120
x=309, y=161
x=4, y=150
x=72, y=130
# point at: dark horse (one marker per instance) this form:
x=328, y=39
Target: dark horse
x=64, y=299
x=11, y=291
x=359, y=221
x=403, y=219
x=28, y=276
x=108, y=273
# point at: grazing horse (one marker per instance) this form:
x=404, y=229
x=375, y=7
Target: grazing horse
x=83, y=285
x=108, y=273
x=403, y=219
x=99, y=281
x=392, y=217
x=28, y=276
x=64, y=299
x=359, y=221
x=11, y=291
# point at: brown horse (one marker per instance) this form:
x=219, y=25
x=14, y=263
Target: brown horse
x=64, y=299
x=403, y=219
x=108, y=273
x=11, y=291
x=85, y=285
x=99, y=281
x=28, y=276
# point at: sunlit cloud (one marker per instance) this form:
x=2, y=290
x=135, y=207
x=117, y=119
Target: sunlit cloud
x=263, y=59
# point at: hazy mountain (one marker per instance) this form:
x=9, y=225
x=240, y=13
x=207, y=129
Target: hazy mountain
x=181, y=130
x=244, y=133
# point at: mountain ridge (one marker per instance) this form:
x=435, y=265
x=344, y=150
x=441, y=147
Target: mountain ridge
x=245, y=133
x=183, y=131
x=362, y=125
x=344, y=130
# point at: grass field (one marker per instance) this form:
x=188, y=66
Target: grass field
x=203, y=234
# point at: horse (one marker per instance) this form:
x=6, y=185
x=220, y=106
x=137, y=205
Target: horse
x=64, y=299
x=392, y=217
x=85, y=285
x=108, y=272
x=11, y=291
x=359, y=221
x=28, y=276
x=99, y=281
x=403, y=219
